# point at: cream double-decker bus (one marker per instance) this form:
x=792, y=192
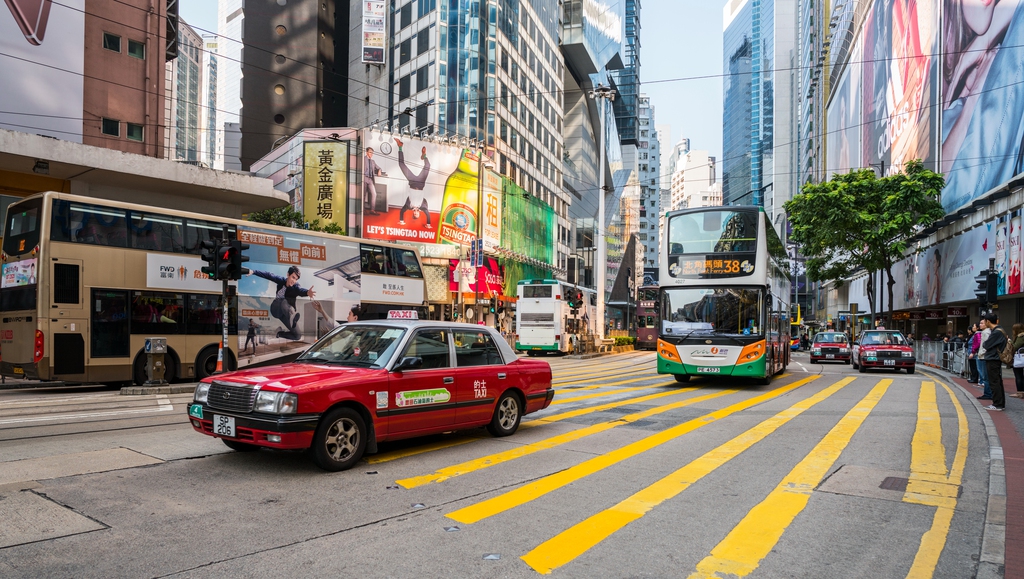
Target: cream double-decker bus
x=85, y=281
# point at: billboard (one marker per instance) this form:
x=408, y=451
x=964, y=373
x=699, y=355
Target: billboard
x=844, y=114
x=43, y=44
x=374, y=33
x=982, y=98
x=325, y=183
x=416, y=190
x=491, y=216
x=899, y=83
x=945, y=272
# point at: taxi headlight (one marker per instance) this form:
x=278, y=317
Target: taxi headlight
x=202, y=392
x=844, y=350
x=908, y=354
x=276, y=402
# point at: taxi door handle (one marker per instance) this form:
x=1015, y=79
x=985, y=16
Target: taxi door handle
x=449, y=380
x=501, y=375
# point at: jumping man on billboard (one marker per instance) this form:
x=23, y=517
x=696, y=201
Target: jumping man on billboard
x=416, y=183
x=283, y=306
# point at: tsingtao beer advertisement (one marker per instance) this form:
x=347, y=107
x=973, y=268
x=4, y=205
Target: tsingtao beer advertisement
x=418, y=191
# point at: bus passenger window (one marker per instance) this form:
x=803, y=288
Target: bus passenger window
x=156, y=232
x=407, y=263
x=374, y=259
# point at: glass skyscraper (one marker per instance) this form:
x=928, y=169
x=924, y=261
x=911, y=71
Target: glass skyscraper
x=738, y=117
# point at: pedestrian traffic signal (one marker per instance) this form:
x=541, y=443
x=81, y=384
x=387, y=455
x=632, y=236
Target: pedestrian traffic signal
x=238, y=257
x=986, y=290
x=575, y=299
x=209, y=255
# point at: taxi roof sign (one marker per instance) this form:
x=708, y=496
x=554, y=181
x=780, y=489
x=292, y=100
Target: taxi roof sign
x=403, y=315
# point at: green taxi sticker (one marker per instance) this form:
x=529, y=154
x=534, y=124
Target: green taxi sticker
x=418, y=397
x=196, y=411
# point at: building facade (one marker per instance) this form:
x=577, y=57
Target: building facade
x=230, y=19
x=211, y=136
x=182, y=102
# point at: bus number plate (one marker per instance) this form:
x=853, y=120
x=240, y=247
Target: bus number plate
x=224, y=425
x=708, y=369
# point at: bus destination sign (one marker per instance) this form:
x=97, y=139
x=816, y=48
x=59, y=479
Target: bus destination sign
x=711, y=266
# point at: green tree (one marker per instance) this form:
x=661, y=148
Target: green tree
x=288, y=217
x=857, y=220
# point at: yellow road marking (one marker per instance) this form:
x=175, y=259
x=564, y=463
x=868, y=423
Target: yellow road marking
x=558, y=401
x=538, y=488
x=579, y=538
x=742, y=550
x=520, y=451
x=458, y=441
x=572, y=373
x=619, y=383
x=929, y=483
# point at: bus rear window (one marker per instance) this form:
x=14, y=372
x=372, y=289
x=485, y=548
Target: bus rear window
x=537, y=291
x=21, y=230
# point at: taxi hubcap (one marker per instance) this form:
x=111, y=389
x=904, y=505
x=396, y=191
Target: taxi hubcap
x=508, y=412
x=342, y=439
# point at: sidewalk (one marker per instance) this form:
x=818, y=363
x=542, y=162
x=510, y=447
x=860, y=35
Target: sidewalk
x=1005, y=514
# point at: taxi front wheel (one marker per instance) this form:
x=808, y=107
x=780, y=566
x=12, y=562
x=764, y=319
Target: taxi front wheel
x=340, y=440
x=507, y=415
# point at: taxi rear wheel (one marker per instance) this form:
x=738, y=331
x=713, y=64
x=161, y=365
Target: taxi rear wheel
x=239, y=446
x=340, y=440
x=507, y=415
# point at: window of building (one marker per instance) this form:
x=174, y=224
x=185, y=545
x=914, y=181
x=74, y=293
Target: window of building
x=405, y=15
x=423, y=40
x=422, y=78
x=425, y=7
x=137, y=49
x=134, y=132
x=111, y=42
x=111, y=127
x=421, y=114
x=405, y=51
x=404, y=87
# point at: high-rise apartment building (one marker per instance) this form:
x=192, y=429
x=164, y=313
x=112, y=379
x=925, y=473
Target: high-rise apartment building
x=627, y=80
x=210, y=134
x=648, y=168
x=694, y=183
x=182, y=101
x=230, y=19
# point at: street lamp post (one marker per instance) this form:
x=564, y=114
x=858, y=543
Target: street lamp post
x=601, y=94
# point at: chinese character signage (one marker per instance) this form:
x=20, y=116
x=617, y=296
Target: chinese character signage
x=374, y=37
x=325, y=194
x=704, y=267
x=491, y=215
x=177, y=272
x=489, y=279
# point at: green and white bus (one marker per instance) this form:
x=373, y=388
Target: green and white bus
x=553, y=316
x=724, y=299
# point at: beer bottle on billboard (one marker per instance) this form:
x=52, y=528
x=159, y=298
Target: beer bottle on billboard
x=459, y=205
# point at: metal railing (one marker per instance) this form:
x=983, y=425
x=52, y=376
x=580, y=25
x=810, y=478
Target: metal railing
x=948, y=356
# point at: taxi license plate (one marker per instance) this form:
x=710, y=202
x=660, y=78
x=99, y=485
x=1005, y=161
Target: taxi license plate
x=19, y=370
x=830, y=356
x=708, y=369
x=889, y=362
x=224, y=425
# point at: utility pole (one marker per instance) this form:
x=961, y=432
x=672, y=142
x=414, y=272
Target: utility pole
x=601, y=94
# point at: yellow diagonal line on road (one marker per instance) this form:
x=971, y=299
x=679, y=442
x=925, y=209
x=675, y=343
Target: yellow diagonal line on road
x=611, y=373
x=742, y=550
x=929, y=483
x=520, y=451
x=650, y=376
x=452, y=442
x=538, y=488
x=558, y=401
x=579, y=538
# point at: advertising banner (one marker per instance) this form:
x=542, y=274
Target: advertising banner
x=1013, y=284
x=945, y=272
x=374, y=32
x=900, y=45
x=916, y=316
x=844, y=119
x=489, y=279
x=19, y=273
x=935, y=315
x=178, y=273
x=982, y=98
x=415, y=190
x=43, y=44
x=325, y=185
x=491, y=219
x=956, y=312
x=298, y=287
x=1002, y=257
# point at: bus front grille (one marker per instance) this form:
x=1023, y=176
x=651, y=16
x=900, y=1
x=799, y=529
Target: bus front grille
x=233, y=397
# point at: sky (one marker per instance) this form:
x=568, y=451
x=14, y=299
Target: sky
x=679, y=39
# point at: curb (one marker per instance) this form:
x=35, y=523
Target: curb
x=144, y=390
x=993, y=538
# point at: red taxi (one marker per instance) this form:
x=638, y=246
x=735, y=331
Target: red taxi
x=830, y=346
x=370, y=382
x=886, y=349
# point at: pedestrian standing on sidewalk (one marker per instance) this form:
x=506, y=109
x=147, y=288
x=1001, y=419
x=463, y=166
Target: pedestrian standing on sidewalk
x=993, y=345
x=1018, y=373
x=973, y=343
x=982, y=364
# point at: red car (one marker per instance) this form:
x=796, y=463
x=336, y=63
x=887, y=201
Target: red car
x=370, y=382
x=830, y=346
x=885, y=349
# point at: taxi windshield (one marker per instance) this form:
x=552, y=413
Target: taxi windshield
x=884, y=339
x=828, y=338
x=358, y=345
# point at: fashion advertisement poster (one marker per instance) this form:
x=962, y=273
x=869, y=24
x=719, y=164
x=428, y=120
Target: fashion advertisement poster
x=1013, y=284
x=844, y=113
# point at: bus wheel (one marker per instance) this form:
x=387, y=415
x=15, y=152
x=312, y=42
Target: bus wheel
x=682, y=377
x=765, y=381
x=206, y=362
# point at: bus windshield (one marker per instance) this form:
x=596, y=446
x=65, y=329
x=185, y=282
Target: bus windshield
x=537, y=291
x=712, y=310
x=713, y=232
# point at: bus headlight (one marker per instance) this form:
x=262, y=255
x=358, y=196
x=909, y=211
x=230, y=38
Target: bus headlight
x=276, y=402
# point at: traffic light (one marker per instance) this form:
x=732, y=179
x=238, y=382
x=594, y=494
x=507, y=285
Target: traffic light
x=575, y=299
x=209, y=255
x=224, y=258
x=238, y=257
x=986, y=290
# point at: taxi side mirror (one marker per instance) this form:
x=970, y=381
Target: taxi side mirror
x=408, y=363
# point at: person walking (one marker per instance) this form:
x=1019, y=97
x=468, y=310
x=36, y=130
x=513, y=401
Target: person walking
x=1018, y=373
x=982, y=365
x=993, y=345
x=973, y=342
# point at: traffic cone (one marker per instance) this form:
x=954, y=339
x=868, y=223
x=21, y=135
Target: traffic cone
x=220, y=359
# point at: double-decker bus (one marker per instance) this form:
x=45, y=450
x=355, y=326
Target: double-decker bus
x=724, y=295
x=85, y=281
x=547, y=322
x=647, y=318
